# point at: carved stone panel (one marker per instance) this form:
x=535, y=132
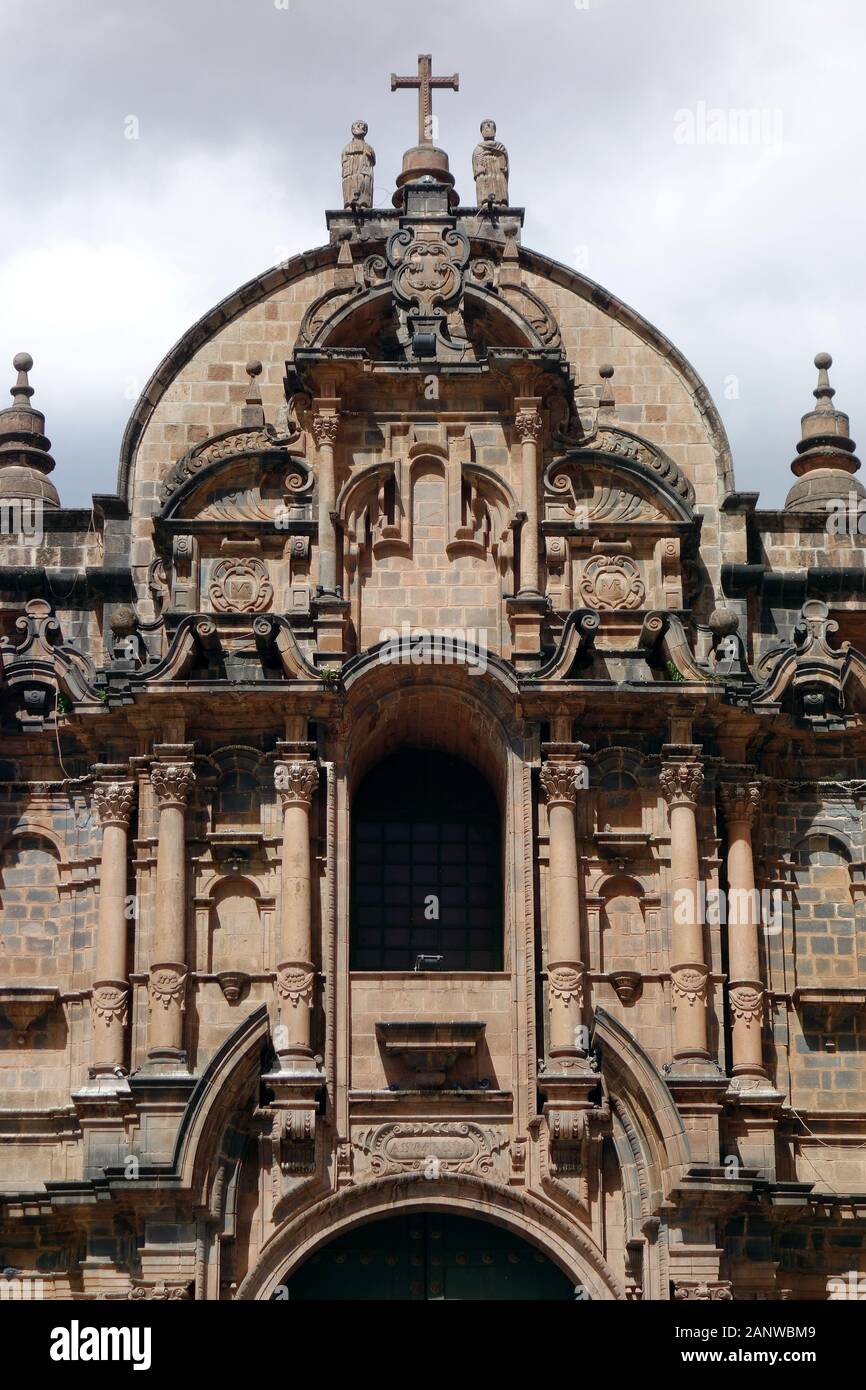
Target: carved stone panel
x=430, y=1147
x=612, y=581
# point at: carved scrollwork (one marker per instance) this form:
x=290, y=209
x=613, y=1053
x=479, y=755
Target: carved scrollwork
x=719, y=1292
x=430, y=1147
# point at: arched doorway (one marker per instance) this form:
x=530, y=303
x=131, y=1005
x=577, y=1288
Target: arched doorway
x=428, y=1256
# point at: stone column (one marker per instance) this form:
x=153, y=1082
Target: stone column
x=565, y=968
x=110, y=999
x=741, y=802
x=296, y=783
x=681, y=781
x=326, y=425
x=172, y=783
x=528, y=425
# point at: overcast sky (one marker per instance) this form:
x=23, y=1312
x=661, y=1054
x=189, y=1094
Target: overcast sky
x=749, y=254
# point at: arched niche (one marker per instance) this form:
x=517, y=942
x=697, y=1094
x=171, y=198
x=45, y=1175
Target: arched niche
x=619, y=805
x=235, y=927
x=623, y=925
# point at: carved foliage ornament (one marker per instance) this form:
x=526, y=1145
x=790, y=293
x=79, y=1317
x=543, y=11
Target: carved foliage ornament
x=114, y=802
x=109, y=1004
x=326, y=429
x=566, y=984
x=741, y=801
x=747, y=1004
x=612, y=582
x=688, y=985
x=715, y=1293
x=296, y=783
x=295, y=983
x=681, y=782
x=528, y=425
x=240, y=586
x=167, y=987
x=172, y=782
x=561, y=781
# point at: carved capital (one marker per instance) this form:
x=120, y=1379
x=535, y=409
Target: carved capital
x=741, y=801
x=720, y=1291
x=681, y=782
x=167, y=987
x=108, y=1003
x=113, y=802
x=295, y=984
x=689, y=985
x=296, y=783
x=172, y=782
x=562, y=781
x=747, y=1004
x=528, y=426
x=325, y=429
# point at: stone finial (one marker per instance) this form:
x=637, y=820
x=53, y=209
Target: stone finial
x=24, y=457
x=606, y=398
x=358, y=161
x=825, y=459
x=490, y=168
x=253, y=415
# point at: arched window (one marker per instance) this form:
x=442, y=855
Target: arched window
x=426, y=866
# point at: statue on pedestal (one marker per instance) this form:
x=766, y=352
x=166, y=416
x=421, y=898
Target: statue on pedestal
x=359, y=159
x=490, y=168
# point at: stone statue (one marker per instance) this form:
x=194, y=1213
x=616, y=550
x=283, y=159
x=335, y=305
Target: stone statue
x=490, y=168
x=358, y=161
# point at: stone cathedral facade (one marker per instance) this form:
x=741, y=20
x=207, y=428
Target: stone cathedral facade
x=431, y=801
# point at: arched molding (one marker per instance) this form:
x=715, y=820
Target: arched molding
x=573, y=1251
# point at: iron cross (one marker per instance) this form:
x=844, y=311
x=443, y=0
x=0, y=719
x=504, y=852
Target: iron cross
x=425, y=82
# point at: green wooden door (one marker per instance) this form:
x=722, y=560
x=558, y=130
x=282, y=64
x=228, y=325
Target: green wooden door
x=429, y=1256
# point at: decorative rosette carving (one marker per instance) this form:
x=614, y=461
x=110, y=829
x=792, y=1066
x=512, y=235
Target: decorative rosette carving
x=172, y=782
x=108, y=1003
x=566, y=983
x=741, y=801
x=167, y=986
x=296, y=783
x=689, y=985
x=681, y=783
x=747, y=1004
x=295, y=983
x=113, y=802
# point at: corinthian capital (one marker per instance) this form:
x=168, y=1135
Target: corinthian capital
x=741, y=801
x=113, y=802
x=562, y=781
x=528, y=425
x=296, y=783
x=326, y=428
x=681, y=782
x=172, y=782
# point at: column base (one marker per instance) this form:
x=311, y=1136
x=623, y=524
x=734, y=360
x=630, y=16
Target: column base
x=166, y=1061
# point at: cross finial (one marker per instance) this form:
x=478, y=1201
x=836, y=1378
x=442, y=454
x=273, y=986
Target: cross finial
x=425, y=82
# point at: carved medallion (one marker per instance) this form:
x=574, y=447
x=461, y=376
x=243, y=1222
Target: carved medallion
x=612, y=581
x=240, y=586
